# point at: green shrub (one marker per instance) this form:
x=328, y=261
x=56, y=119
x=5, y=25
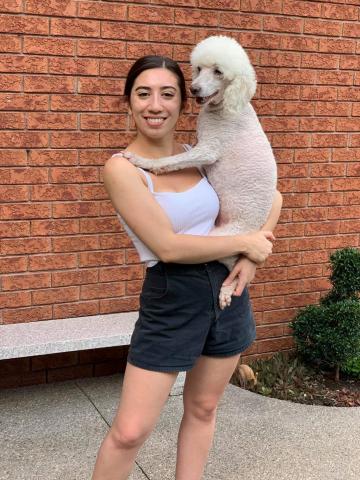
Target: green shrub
x=345, y=275
x=352, y=367
x=329, y=334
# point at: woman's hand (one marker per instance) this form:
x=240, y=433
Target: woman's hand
x=244, y=271
x=259, y=245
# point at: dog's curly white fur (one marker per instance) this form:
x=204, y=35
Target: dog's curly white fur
x=238, y=73
x=232, y=146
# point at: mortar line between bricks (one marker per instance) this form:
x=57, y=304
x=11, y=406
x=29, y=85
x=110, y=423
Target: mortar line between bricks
x=101, y=415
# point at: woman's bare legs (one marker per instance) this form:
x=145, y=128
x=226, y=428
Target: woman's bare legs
x=143, y=395
x=204, y=386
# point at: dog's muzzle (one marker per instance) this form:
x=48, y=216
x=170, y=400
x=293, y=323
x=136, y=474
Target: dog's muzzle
x=203, y=100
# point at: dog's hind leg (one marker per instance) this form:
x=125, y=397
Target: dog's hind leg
x=226, y=292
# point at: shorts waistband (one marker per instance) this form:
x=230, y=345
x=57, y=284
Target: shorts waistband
x=184, y=267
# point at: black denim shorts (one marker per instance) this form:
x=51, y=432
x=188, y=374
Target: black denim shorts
x=180, y=318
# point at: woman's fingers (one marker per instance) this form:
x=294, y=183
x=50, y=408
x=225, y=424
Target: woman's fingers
x=232, y=275
x=269, y=235
x=241, y=284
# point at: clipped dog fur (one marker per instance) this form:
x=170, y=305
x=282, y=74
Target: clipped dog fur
x=232, y=146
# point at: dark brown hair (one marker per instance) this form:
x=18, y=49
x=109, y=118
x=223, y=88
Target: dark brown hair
x=155, y=61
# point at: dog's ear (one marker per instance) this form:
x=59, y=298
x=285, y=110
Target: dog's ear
x=239, y=92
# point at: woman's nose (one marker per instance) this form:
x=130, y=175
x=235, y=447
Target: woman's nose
x=155, y=103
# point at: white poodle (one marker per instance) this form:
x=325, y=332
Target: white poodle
x=232, y=146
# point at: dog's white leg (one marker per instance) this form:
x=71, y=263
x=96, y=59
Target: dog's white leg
x=204, y=153
x=226, y=292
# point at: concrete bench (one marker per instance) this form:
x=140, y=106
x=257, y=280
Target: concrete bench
x=71, y=334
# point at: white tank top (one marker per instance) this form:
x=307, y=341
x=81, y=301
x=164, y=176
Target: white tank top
x=191, y=212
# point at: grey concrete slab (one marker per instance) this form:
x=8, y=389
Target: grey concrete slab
x=50, y=432
x=54, y=431
x=256, y=438
x=265, y=438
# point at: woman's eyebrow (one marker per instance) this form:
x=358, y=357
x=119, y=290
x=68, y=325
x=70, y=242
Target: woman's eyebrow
x=149, y=88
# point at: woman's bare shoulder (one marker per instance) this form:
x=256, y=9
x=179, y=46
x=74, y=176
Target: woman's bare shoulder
x=122, y=168
x=117, y=161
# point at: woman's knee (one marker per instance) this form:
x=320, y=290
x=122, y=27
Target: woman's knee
x=128, y=436
x=201, y=409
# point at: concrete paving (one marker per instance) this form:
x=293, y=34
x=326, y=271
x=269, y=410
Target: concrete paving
x=53, y=432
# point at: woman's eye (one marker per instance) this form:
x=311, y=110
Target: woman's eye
x=168, y=95
x=142, y=94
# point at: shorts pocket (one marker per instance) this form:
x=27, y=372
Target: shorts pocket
x=155, y=284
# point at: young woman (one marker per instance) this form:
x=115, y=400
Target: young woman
x=180, y=325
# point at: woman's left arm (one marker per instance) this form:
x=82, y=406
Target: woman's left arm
x=244, y=268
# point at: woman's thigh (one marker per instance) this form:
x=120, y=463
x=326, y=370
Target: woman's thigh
x=143, y=395
x=206, y=382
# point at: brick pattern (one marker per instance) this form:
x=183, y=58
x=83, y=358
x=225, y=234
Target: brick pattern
x=62, y=66
x=59, y=367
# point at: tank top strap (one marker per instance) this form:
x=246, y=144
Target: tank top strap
x=148, y=179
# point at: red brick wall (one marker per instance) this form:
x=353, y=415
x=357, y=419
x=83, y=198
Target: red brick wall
x=62, y=65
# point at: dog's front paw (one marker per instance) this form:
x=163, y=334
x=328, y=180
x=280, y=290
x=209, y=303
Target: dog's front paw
x=127, y=155
x=226, y=294
x=135, y=160
x=145, y=163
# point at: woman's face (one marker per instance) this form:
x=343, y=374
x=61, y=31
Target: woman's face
x=155, y=103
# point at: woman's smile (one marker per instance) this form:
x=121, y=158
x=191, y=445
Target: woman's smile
x=155, y=121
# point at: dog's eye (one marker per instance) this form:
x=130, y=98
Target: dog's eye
x=218, y=72
x=198, y=69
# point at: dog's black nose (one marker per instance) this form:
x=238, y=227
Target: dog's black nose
x=194, y=90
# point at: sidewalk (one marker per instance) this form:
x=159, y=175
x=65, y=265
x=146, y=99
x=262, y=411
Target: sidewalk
x=53, y=432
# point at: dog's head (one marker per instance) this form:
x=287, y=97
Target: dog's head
x=222, y=72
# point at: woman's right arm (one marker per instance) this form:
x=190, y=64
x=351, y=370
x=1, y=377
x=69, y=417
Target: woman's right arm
x=149, y=222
